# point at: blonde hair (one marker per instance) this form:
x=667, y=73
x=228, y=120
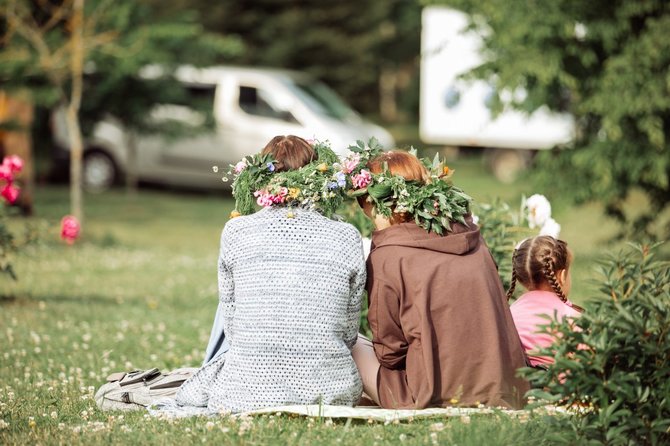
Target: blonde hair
x=536, y=261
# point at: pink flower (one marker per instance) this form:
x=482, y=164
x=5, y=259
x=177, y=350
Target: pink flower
x=10, y=193
x=362, y=179
x=263, y=198
x=13, y=162
x=280, y=196
x=6, y=173
x=351, y=163
x=240, y=166
x=69, y=229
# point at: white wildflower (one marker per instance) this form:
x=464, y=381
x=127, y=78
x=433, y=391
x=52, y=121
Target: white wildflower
x=551, y=228
x=3, y=424
x=437, y=427
x=539, y=210
x=215, y=169
x=475, y=219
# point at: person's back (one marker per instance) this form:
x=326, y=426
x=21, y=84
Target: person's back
x=442, y=333
x=294, y=317
x=290, y=289
x=461, y=345
x=542, y=265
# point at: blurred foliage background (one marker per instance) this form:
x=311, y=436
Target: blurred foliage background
x=605, y=62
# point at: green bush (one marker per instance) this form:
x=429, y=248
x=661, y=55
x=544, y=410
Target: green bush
x=502, y=227
x=613, y=363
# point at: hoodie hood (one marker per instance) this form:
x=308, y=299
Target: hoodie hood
x=462, y=239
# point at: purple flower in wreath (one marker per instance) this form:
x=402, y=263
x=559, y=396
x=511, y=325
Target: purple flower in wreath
x=271, y=167
x=332, y=185
x=341, y=179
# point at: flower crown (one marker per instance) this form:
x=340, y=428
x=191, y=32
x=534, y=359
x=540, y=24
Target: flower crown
x=434, y=205
x=317, y=185
x=324, y=184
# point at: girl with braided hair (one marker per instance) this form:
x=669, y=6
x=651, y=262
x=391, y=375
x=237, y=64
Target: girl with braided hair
x=542, y=265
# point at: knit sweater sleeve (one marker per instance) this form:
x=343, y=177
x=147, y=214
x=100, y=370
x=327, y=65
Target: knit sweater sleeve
x=357, y=287
x=226, y=286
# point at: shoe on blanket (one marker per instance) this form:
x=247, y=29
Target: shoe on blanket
x=137, y=389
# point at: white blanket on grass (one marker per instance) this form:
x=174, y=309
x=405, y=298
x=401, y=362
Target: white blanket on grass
x=167, y=408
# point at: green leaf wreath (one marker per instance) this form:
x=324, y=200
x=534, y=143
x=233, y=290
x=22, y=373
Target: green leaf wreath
x=434, y=205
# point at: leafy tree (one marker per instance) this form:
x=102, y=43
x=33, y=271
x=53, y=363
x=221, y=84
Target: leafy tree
x=606, y=63
x=46, y=45
x=348, y=44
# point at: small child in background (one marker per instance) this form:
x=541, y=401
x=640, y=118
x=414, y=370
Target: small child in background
x=542, y=265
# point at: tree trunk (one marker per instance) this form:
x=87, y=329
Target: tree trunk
x=77, y=146
x=131, y=167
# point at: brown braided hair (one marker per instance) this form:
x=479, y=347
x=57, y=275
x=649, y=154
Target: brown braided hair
x=535, y=263
x=512, y=284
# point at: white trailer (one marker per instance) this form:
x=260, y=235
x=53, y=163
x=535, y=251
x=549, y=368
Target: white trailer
x=454, y=111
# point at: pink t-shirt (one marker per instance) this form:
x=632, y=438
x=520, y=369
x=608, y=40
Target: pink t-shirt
x=527, y=312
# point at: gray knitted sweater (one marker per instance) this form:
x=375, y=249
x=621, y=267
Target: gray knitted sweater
x=289, y=296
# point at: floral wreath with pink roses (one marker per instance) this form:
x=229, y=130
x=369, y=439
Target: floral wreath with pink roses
x=326, y=182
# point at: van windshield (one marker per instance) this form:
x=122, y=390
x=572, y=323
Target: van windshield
x=321, y=99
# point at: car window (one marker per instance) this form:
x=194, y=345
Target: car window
x=256, y=102
x=321, y=99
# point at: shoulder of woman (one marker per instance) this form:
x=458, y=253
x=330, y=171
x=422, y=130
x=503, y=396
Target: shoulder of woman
x=347, y=230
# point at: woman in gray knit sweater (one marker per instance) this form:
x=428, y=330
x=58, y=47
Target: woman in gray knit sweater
x=290, y=286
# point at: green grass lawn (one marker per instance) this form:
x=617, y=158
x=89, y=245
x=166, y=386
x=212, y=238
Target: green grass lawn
x=139, y=290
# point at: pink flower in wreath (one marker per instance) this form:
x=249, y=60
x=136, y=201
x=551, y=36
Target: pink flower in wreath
x=263, y=198
x=280, y=196
x=13, y=162
x=10, y=193
x=351, y=163
x=362, y=179
x=240, y=166
x=69, y=229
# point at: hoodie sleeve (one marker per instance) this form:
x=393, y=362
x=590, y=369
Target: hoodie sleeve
x=384, y=318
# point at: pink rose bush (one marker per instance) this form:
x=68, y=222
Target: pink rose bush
x=11, y=165
x=69, y=229
x=14, y=163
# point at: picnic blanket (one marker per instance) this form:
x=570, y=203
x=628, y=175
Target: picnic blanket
x=379, y=414
x=166, y=408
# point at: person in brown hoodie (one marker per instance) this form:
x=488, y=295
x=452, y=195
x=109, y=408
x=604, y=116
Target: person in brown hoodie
x=442, y=332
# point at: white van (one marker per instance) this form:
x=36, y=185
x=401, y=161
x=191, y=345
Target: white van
x=455, y=111
x=250, y=106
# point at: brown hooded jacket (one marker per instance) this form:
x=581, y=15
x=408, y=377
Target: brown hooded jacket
x=442, y=329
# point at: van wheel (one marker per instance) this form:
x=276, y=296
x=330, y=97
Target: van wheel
x=99, y=171
x=507, y=164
